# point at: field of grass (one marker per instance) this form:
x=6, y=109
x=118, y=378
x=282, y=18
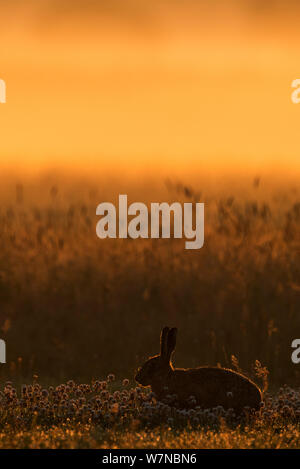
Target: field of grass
x=105, y=414
x=68, y=436
x=73, y=307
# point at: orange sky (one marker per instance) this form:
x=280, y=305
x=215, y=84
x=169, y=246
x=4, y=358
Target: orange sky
x=186, y=92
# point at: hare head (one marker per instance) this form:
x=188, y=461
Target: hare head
x=157, y=369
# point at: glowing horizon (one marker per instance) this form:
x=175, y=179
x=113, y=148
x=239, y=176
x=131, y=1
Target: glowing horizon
x=173, y=99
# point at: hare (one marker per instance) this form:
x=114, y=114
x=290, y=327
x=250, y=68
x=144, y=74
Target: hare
x=209, y=386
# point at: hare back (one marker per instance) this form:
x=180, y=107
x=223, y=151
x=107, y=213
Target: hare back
x=213, y=386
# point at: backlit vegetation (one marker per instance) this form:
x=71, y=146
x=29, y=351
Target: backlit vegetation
x=107, y=415
x=74, y=307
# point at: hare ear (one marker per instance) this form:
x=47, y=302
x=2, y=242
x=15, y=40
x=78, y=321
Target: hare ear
x=163, y=342
x=171, y=343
